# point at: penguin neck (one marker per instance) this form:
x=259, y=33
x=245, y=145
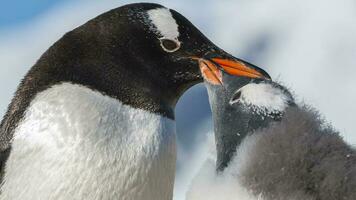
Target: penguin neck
x=115, y=69
x=231, y=132
x=123, y=80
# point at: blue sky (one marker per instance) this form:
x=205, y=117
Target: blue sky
x=14, y=12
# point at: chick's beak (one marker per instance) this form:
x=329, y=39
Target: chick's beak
x=212, y=69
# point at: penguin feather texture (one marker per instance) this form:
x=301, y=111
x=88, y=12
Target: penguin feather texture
x=75, y=143
x=300, y=157
x=297, y=157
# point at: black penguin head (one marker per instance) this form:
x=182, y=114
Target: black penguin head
x=259, y=103
x=165, y=46
x=143, y=54
x=262, y=98
x=174, y=44
x=170, y=48
x=242, y=106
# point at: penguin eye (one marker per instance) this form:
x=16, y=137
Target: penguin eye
x=235, y=98
x=170, y=45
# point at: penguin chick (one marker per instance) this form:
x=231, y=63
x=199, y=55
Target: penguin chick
x=276, y=149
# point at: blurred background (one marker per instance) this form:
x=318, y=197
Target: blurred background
x=308, y=45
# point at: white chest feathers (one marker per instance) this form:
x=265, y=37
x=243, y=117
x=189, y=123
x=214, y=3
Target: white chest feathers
x=75, y=143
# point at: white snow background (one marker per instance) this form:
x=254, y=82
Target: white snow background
x=309, y=45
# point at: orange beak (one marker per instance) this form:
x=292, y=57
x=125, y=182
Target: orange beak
x=211, y=69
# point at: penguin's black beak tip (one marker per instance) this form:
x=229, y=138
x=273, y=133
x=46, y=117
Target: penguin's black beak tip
x=263, y=73
x=212, y=68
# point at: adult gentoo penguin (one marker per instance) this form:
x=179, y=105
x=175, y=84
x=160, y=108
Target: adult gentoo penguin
x=94, y=117
x=283, y=150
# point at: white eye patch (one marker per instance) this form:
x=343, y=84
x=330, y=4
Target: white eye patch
x=164, y=25
x=263, y=96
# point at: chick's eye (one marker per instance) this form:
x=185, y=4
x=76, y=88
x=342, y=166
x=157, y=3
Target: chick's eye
x=235, y=98
x=169, y=45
